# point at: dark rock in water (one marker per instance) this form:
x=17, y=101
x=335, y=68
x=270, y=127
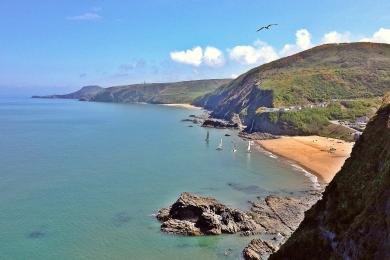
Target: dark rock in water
x=36, y=234
x=121, y=219
x=194, y=215
x=195, y=121
x=227, y=134
x=190, y=126
x=249, y=189
x=217, y=123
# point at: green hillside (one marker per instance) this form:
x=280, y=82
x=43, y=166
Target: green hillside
x=346, y=73
x=160, y=93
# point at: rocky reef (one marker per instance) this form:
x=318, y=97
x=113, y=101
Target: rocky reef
x=193, y=215
x=352, y=221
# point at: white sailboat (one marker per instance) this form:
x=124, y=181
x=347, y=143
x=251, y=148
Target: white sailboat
x=234, y=148
x=220, y=146
x=249, y=146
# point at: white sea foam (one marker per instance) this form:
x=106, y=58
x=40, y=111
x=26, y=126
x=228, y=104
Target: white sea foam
x=311, y=176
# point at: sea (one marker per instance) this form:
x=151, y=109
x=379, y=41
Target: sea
x=84, y=180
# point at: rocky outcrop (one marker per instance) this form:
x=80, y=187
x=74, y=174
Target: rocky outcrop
x=272, y=218
x=193, y=215
x=352, y=221
x=216, y=123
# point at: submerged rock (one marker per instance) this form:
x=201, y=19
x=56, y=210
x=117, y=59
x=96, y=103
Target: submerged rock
x=194, y=215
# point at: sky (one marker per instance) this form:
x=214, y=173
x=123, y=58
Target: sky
x=58, y=46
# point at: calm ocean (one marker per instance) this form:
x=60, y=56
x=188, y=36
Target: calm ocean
x=81, y=180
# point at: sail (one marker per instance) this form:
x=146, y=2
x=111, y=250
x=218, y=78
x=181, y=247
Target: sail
x=220, y=146
x=249, y=146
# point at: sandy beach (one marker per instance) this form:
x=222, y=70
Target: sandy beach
x=312, y=153
x=188, y=106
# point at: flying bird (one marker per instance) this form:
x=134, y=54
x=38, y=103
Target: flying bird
x=266, y=27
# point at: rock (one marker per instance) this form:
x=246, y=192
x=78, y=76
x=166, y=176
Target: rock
x=183, y=227
x=217, y=123
x=257, y=135
x=279, y=217
x=194, y=215
x=163, y=214
x=272, y=217
x=258, y=250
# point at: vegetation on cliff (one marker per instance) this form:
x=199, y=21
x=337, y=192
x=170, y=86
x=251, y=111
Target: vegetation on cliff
x=160, y=93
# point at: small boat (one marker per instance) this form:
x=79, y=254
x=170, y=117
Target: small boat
x=220, y=146
x=207, y=137
x=249, y=146
x=234, y=148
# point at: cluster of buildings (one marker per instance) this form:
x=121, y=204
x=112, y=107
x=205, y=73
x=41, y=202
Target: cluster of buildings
x=318, y=105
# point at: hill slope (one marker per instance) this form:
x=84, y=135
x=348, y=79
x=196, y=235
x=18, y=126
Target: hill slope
x=331, y=71
x=176, y=92
x=86, y=93
x=352, y=219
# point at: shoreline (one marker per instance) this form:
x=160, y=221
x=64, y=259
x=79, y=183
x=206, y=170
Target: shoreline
x=311, y=153
x=182, y=105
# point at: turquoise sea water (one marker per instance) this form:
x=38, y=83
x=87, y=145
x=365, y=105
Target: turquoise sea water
x=81, y=180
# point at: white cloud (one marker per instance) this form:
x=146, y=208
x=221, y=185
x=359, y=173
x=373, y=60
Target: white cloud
x=258, y=53
x=382, y=36
x=303, y=39
x=193, y=56
x=336, y=37
x=85, y=17
x=234, y=76
x=302, y=42
x=213, y=57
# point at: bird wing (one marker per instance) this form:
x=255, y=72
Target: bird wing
x=261, y=28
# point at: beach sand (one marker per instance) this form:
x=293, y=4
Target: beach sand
x=312, y=153
x=188, y=106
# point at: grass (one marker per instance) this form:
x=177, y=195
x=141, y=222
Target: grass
x=315, y=121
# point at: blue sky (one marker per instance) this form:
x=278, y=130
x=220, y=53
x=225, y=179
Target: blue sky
x=62, y=45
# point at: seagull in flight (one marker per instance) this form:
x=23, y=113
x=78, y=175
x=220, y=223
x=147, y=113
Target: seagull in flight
x=266, y=27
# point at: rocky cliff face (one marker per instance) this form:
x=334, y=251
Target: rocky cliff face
x=352, y=221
